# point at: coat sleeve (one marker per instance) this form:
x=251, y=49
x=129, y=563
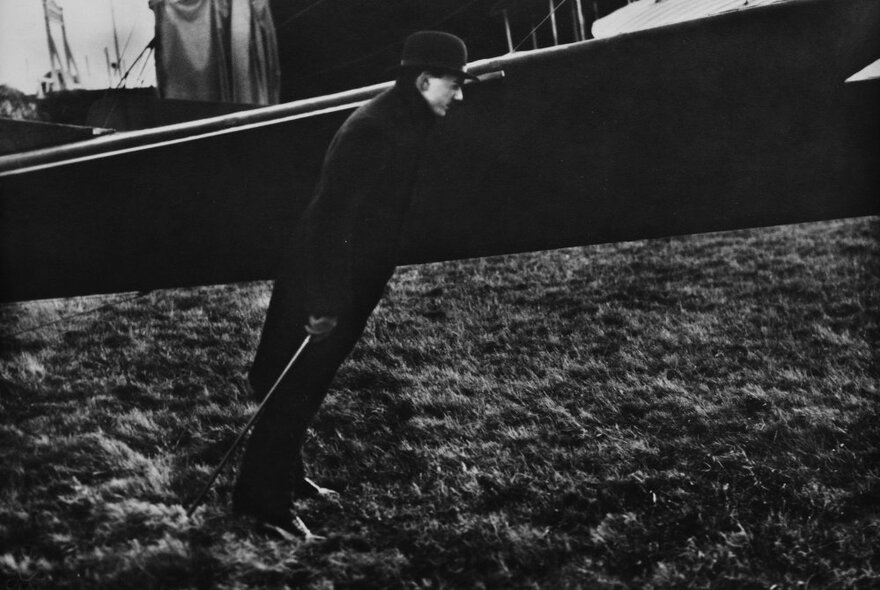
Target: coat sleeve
x=356, y=163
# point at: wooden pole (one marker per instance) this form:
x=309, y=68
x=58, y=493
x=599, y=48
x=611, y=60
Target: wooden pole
x=507, y=30
x=580, y=17
x=553, y=23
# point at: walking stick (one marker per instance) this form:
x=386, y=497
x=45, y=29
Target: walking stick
x=198, y=499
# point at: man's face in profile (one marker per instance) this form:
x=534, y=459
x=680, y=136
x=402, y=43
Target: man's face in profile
x=440, y=92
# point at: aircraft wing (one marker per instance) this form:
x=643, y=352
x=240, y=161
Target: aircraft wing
x=737, y=120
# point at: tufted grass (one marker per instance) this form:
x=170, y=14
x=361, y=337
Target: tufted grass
x=687, y=412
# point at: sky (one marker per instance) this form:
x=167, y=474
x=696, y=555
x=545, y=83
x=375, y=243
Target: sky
x=24, y=52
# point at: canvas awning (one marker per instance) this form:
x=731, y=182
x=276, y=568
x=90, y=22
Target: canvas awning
x=216, y=50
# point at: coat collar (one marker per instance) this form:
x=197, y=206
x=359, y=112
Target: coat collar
x=415, y=103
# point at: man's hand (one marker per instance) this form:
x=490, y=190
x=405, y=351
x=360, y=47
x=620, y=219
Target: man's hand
x=320, y=327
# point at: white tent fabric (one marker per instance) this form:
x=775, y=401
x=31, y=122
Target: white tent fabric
x=216, y=50
x=647, y=14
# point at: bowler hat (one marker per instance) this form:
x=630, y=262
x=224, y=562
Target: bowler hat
x=435, y=51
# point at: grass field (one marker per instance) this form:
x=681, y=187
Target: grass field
x=691, y=412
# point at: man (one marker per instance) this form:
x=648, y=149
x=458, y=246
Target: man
x=342, y=254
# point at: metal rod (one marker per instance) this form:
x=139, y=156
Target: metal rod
x=198, y=499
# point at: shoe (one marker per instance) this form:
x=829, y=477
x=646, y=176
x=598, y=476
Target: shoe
x=281, y=522
x=305, y=488
x=290, y=528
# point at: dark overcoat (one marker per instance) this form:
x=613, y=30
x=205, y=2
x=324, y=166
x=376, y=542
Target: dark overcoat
x=344, y=249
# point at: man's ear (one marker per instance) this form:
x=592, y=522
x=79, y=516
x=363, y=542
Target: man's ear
x=422, y=81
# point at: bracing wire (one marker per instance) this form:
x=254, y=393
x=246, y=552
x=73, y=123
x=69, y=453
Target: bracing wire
x=127, y=41
x=381, y=50
x=124, y=77
x=295, y=16
x=537, y=26
x=144, y=67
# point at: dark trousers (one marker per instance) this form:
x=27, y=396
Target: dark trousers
x=272, y=468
